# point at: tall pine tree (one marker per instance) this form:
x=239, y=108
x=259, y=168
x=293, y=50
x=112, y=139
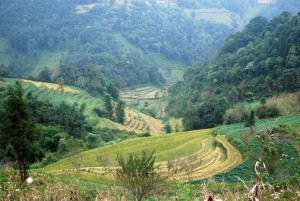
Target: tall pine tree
x=18, y=133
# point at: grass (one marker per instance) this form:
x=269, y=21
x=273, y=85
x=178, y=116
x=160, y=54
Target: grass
x=287, y=103
x=165, y=147
x=49, y=92
x=171, y=70
x=176, y=124
x=185, y=146
x=245, y=170
x=85, y=186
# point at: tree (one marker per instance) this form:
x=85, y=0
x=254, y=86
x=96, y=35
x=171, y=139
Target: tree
x=45, y=75
x=60, y=82
x=105, y=162
x=137, y=173
x=108, y=105
x=168, y=128
x=18, y=133
x=120, y=111
x=189, y=164
x=250, y=121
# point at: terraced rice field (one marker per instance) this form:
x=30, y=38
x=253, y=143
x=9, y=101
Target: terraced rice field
x=167, y=147
x=141, y=123
x=49, y=92
x=52, y=86
x=171, y=70
x=141, y=93
x=135, y=121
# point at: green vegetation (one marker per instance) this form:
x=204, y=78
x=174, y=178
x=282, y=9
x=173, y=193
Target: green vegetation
x=261, y=60
x=138, y=174
x=166, y=147
x=287, y=128
x=120, y=48
x=68, y=116
x=62, y=118
x=18, y=133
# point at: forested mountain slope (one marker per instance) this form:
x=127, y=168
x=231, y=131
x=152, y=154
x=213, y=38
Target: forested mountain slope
x=38, y=30
x=118, y=37
x=263, y=59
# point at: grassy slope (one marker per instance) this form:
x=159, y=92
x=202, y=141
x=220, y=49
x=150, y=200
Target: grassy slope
x=166, y=147
x=194, y=147
x=171, y=70
x=48, y=91
x=246, y=170
x=50, y=59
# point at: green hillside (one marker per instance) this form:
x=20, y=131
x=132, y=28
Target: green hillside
x=189, y=147
x=287, y=127
x=261, y=61
x=50, y=92
x=166, y=147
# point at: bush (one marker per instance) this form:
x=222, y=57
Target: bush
x=236, y=114
x=273, y=111
x=138, y=174
x=147, y=134
x=269, y=111
x=262, y=112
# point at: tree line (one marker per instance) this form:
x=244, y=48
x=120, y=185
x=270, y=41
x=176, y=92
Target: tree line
x=263, y=59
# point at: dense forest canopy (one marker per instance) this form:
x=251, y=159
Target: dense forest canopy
x=116, y=36
x=263, y=59
x=100, y=37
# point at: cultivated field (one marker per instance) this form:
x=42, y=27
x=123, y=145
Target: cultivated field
x=141, y=123
x=147, y=98
x=134, y=120
x=132, y=95
x=70, y=95
x=52, y=86
x=180, y=146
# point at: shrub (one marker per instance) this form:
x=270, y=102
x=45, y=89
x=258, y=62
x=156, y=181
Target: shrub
x=138, y=174
x=235, y=115
x=269, y=111
x=261, y=112
x=273, y=111
x=147, y=134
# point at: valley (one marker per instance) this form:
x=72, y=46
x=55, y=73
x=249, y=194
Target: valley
x=150, y=100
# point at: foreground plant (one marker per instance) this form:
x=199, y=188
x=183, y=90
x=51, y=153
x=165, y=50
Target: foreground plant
x=138, y=174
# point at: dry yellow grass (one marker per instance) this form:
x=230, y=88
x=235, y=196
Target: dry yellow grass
x=199, y=144
x=52, y=86
x=141, y=123
x=287, y=103
x=211, y=160
x=165, y=147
